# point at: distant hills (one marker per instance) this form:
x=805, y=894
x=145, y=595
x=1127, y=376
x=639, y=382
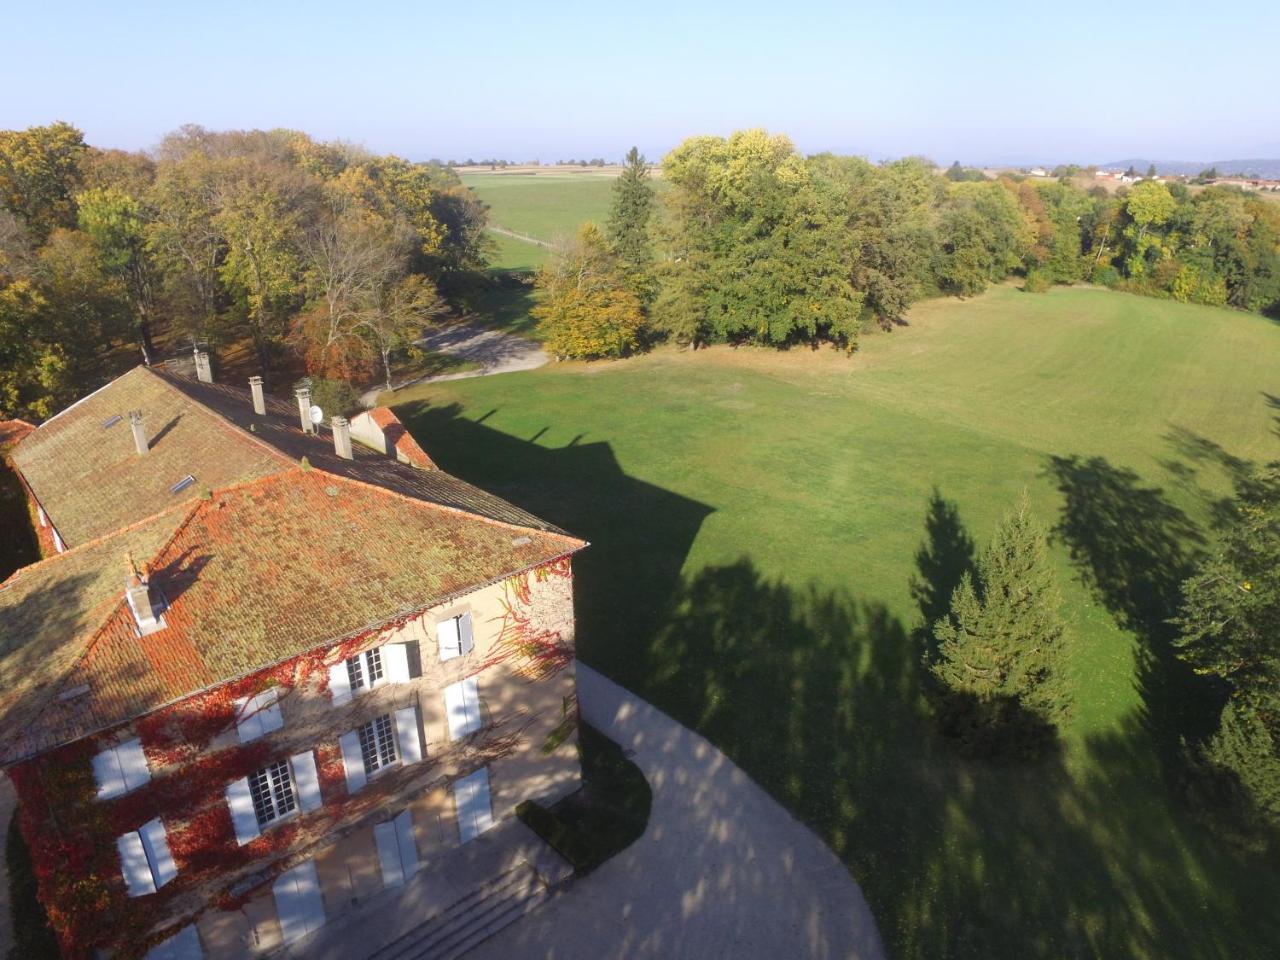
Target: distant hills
x=1270, y=169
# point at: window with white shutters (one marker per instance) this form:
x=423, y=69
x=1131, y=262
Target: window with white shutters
x=259, y=715
x=455, y=636
x=462, y=707
x=372, y=668
x=271, y=789
x=364, y=670
x=145, y=860
x=377, y=744
x=472, y=803
x=120, y=769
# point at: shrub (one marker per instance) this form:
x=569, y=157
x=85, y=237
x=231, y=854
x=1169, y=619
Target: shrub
x=1105, y=275
x=1037, y=281
x=336, y=398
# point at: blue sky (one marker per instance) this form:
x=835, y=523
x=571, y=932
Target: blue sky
x=980, y=82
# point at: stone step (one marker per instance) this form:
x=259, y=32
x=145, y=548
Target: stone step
x=471, y=920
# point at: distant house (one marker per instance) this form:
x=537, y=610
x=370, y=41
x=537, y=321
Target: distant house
x=264, y=674
x=1038, y=172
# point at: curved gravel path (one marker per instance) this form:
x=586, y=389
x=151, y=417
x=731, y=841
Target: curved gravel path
x=493, y=350
x=721, y=871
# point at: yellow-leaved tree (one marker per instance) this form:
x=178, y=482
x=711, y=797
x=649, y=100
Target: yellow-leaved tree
x=587, y=311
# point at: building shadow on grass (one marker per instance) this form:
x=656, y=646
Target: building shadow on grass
x=819, y=696
x=640, y=534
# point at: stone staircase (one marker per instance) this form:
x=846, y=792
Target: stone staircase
x=473, y=919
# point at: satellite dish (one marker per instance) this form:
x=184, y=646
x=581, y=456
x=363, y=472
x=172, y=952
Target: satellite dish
x=316, y=414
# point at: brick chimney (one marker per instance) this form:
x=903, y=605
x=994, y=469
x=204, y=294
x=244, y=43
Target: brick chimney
x=342, y=437
x=259, y=401
x=139, y=434
x=204, y=372
x=138, y=595
x=304, y=408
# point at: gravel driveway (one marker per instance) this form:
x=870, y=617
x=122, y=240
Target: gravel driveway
x=495, y=351
x=722, y=870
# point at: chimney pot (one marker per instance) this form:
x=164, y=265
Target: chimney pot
x=138, y=594
x=342, y=437
x=259, y=401
x=139, y=434
x=204, y=372
x=304, y=408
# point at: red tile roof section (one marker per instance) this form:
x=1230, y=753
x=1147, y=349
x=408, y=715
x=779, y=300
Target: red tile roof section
x=399, y=439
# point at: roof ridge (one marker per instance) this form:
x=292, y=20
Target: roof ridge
x=226, y=424
x=431, y=504
x=98, y=540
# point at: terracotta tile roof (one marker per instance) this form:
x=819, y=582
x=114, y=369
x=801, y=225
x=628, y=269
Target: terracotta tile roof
x=11, y=431
x=51, y=610
x=400, y=439
x=89, y=477
x=261, y=572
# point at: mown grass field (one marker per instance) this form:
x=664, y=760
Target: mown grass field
x=761, y=556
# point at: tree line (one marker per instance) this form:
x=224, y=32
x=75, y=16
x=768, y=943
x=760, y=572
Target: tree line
x=754, y=242
x=271, y=237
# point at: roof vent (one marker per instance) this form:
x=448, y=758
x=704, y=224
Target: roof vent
x=304, y=408
x=111, y=421
x=521, y=541
x=182, y=484
x=259, y=400
x=137, y=594
x=342, y=437
x=204, y=370
x=139, y=434
x=74, y=692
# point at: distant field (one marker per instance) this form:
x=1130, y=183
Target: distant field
x=755, y=519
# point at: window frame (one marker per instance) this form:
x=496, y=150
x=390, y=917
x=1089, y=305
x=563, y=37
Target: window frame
x=373, y=738
x=271, y=791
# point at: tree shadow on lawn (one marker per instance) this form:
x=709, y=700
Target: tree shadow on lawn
x=944, y=557
x=819, y=696
x=1133, y=548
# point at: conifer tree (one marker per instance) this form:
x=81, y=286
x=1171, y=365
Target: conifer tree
x=628, y=226
x=1000, y=652
x=1230, y=628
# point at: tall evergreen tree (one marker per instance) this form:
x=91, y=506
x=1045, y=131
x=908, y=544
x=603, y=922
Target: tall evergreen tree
x=628, y=226
x=1000, y=652
x=1230, y=628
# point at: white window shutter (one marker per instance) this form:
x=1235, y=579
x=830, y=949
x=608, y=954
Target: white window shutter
x=134, y=865
x=269, y=710
x=352, y=760
x=240, y=800
x=133, y=764
x=384, y=836
x=471, y=697
x=455, y=708
x=156, y=844
x=183, y=945
x=408, y=846
x=466, y=639
x=248, y=720
x=471, y=797
x=299, y=906
x=447, y=634
x=106, y=770
x=407, y=734
x=339, y=683
x=395, y=662
x=307, y=780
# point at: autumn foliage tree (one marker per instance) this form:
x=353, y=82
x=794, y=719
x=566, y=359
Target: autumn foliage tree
x=588, y=309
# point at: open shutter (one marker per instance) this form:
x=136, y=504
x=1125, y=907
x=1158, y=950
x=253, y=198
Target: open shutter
x=408, y=846
x=395, y=662
x=471, y=797
x=240, y=800
x=471, y=697
x=407, y=734
x=307, y=780
x=455, y=708
x=269, y=710
x=466, y=640
x=134, y=865
x=156, y=845
x=248, y=720
x=384, y=835
x=183, y=945
x=352, y=760
x=133, y=764
x=298, y=903
x=339, y=683
x=106, y=770
x=447, y=634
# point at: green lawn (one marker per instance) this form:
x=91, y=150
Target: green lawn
x=758, y=521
